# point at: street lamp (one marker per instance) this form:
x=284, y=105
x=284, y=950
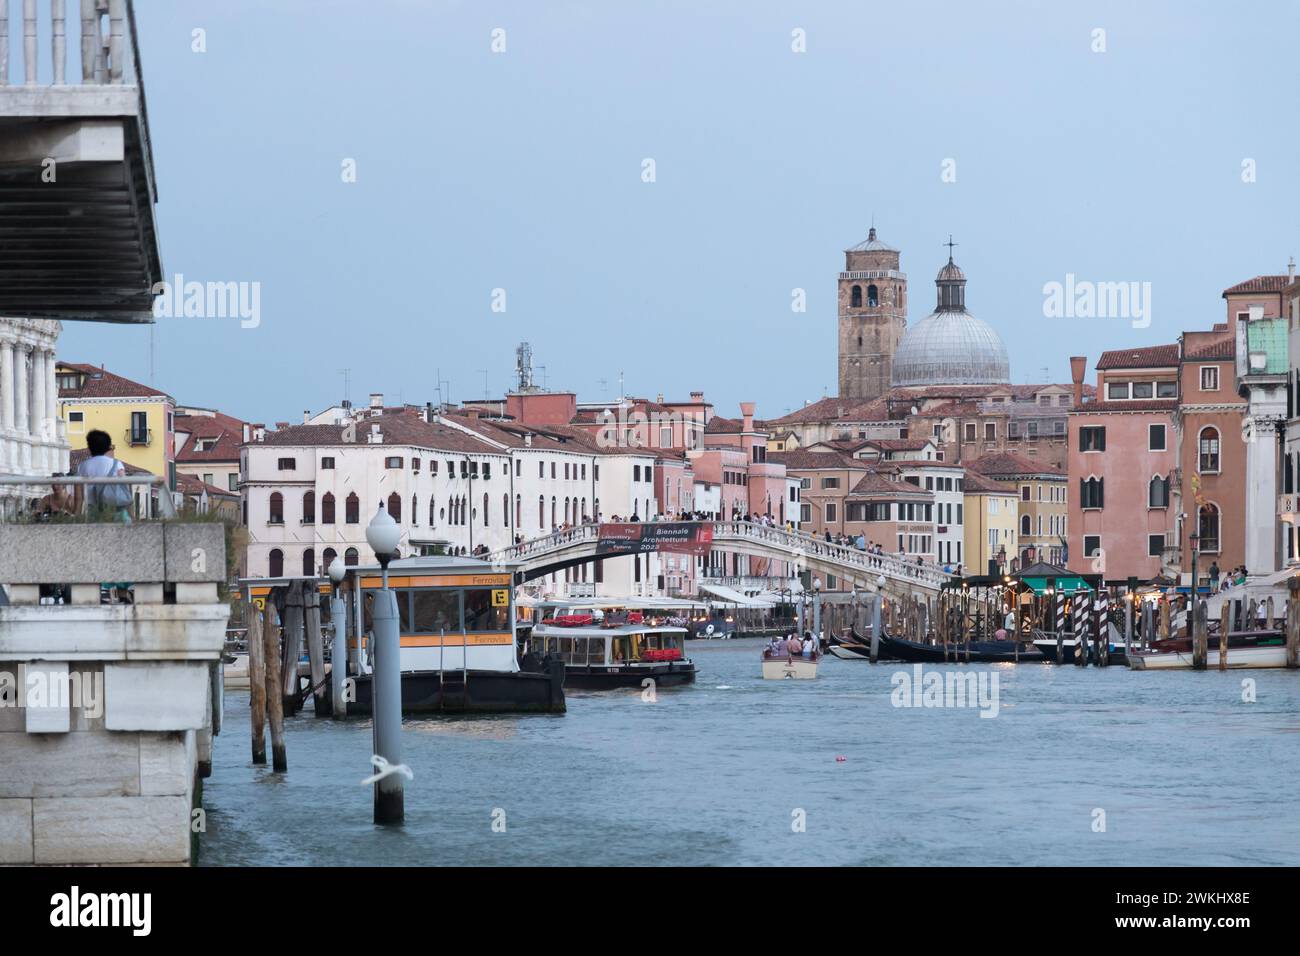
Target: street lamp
x=339, y=650
x=817, y=610
x=383, y=535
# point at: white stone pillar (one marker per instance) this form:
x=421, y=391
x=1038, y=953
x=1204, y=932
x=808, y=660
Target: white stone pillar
x=51, y=392
x=1261, y=500
x=20, y=389
x=36, y=410
x=8, y=389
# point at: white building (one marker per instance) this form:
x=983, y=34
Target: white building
x=32, y=437
x=946, y=482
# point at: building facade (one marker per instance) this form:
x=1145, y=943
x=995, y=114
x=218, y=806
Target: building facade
x=32, y=436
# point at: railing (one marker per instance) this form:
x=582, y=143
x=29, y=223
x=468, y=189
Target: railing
x=797, y=545
x=104, y=55
x=166, y=503
x=134, y=437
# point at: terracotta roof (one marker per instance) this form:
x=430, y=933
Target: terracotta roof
x=1009, y=464
x=802, y=459
x=1144, y=405
x=836, y=410
x=1150, y=356
x=953, y=408
x=225, y=432
x=567, y=438
x=101, y=383
x=977, y=483
x=898, y=444
x=81, y=454
x=719, y=425
x=1224, y=349
x=874, y=485
x=400, y=429
x=1259, y=284
x=191, y=485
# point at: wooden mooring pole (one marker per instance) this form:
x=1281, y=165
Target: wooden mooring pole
x=315, y=650
x=257, y=681
x=1196, y=620
x=1293, y=624
x=1225, y=625
x=274, y=695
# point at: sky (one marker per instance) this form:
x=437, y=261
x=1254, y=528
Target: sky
x=1167, y=157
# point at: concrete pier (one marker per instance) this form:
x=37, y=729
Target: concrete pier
x=107, y=712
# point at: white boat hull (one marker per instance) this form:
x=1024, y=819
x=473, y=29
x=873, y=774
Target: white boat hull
x=1238, y=657
x=848, y=655
x=794, y=668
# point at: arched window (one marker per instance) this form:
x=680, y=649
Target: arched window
x=873, y=297
x=277, y=512
x=855, y=300
x=554, y=513
x=309, y=563
x=1158, y=492
x=485, y=510
x=567, y=518
x=352, y=509
x=1209, y=529
x=309, y=507
x=519, y=510
x=395, y=507
x=327, y=509
x=1209, y=450
x=415, y=509
x=328, y=558
x=350, y=558
x=275, y=562
x=1026, y=525
x=432, y=513
x=505, y=510
x=583, y=514
x=541, y=512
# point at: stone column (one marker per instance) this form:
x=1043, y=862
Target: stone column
x=36, y=408
x=20, y=389
x=7, y=387
x=1261, y=499
x=51, y=393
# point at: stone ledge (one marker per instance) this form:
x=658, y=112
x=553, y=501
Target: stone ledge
x=113, y=632
x=151, y=551
x=16, y=832
x=111, y=830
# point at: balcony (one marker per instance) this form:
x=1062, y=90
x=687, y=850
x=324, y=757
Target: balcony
x=135, y=437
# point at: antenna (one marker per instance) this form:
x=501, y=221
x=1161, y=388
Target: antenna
x=485, y=382
x=347, y=383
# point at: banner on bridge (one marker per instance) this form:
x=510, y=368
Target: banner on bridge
x=680, y=537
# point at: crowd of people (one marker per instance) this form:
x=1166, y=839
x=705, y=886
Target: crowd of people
x=792, y=645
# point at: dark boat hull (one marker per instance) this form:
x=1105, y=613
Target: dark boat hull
x=600, y=677
x=472, y=692
x=983, y=652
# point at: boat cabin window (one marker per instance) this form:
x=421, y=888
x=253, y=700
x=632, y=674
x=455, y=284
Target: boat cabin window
x=481, y=614
x=435, y=610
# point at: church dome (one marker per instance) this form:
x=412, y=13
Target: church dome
x=950, y=346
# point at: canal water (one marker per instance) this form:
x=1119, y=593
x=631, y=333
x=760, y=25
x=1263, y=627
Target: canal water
x=1081, y=766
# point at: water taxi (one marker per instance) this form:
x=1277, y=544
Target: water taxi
x=1247, y=649
x=602, y=650
x=782, y=666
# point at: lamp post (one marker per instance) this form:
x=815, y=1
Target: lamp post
x=1198, y=658
x=339, y=652
x=383, y=536
x=817, y=610
x=876, y=617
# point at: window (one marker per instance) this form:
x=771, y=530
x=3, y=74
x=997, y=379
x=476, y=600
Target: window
x=990, y=431
x=541, y=469
x=276, y=515
x=415, y=509
x=487, y=471
x=636, y=472
x=309, y=507
x=829, y=482
x=1209, y=378
x=207, y=477
x=1208, y=457
x=275, y=562
x=584, y=472
x=873, y=297
x=350, y=558
x=415, y=464
x=831, y=512
x=393, y=462
x=352, y=509
x=327, y=510
x=1155, y=545
x=433, y=512
x=1058, y=427
x=1158, y=492
x=395, y=507
x=139, y=428
x=327, y=558
x=433, y=467
x=968, y=432
x=1166, y=389
x=1024, y=492
x=1143, y=389
x=1031, y=430
x=1116, y=390
x=1026, y=525
x=805, y=513
x=1209, y=529
x=232, y=480
x=309, y=563
x=1092, y=493
x=855, y=297
x=1155, y=437
x=285, y=464
x=327, y=463
x=1092, y=438
x=485, y=510
x=1091, y=545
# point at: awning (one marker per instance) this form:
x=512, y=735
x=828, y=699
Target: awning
x=732, y=596
x=1066, y=584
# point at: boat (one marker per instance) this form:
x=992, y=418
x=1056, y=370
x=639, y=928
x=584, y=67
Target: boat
x=1246, y=649
x=599, y=654
x=456, y=618
x=982, y=652
x=781, y=666
x=854, y=647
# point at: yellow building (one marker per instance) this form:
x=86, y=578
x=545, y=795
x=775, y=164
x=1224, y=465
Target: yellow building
x=138, y=419
x=989, y=523
x=1043, y=507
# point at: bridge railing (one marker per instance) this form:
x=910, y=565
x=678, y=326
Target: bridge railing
x=106, y=53
x=796, y=544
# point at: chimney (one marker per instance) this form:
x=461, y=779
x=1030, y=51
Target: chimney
x=1290, y=269
x=376, y=399
x=528, y=440
x=376, y=436
x=248, y=433
x=306, y=414
x=472, y=412
x=1078, y=365
x=280, y=425
x=428, y=411
x=747, y=415
x=259, y=432
x=697, y=397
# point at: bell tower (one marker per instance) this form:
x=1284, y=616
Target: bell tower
x=873, y=317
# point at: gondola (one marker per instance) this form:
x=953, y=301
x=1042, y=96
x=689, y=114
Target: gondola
x=854, y=647
x=982, y=652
